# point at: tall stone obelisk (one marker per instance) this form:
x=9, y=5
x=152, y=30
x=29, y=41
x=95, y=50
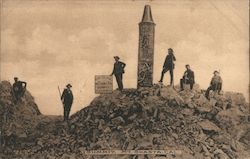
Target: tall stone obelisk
x=146, y=49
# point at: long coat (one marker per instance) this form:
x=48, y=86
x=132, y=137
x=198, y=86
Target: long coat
x=118, y=68
x=18, y=86
x=169, y=62
x=67, y=97
x=189, y=74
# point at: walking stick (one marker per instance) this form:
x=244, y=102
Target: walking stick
x=60, y=94
x=173, y=70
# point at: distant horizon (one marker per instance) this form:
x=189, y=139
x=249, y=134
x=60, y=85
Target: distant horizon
x=52, y=43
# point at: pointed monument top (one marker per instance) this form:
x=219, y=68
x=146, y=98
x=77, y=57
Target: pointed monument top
x=147, y=15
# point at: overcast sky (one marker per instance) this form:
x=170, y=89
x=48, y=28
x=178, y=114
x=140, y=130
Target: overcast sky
x=52, y=43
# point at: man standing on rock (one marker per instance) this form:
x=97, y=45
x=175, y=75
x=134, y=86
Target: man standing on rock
x=118, y=71
x=169, y=66
x=19, y=88
x=67, y=99
x=215, y=84
x=188, y=78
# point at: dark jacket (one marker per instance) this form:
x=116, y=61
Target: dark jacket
x=189, y=75
x=118, y=68
x=67, y=97
x=216, y=80
x=169, y=61
x=18, y=86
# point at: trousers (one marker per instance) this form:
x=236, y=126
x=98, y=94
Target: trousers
x=186, y=81
x=171, y=72
x=119, y=81
x=214, y=87
x=67, y=108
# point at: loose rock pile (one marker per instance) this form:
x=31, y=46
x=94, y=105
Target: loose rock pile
x=19, y=123
x=16, y=120
x=150, y=118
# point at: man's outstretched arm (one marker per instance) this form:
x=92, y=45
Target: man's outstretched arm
x=63, y=94
x=174, y=57
x=113, y=71
x=123, y=64
x=25, y=83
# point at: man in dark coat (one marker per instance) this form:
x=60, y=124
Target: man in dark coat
x=188, y=78
x=118, y=71
x=169, y=66
x=215, y=84
x=19, y=88
x=67, y=99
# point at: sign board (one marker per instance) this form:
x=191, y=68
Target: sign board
x=103, y=84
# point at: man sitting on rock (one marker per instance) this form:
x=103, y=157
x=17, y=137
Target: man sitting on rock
x=215, y=84
x=19, y=88
x=188, y=78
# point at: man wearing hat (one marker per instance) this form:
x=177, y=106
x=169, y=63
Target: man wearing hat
x=19, y=88
x=118, y=70
x=188, y=78
x=67, y=99
x=215, y=84
x=169, y=66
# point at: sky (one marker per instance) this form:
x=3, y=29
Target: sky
x=56, y=42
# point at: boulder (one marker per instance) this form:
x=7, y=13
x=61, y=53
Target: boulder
x=208, y=126
x=118, y=120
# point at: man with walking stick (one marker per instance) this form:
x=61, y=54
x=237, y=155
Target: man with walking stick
x=169, y=66
x=67, y=100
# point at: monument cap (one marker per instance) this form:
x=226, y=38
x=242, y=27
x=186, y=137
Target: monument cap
x=147, y=15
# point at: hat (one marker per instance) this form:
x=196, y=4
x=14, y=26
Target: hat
x=170, y=49
x=187, y=65
x=216, y=72
x=15, y=78
x=116, y=57
x=69, y=85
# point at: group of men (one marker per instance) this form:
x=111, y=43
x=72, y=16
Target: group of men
x=67, y=97
x=188, y=77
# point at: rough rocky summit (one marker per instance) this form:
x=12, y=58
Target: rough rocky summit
x=137, y=119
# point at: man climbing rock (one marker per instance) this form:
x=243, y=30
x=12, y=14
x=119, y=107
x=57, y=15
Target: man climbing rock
x=215, y=84
x=19, y=88
x=188, y=78
x=67, y=99
x=118, y=71
x=169, y=66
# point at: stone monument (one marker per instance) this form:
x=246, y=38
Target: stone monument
x=146, y=49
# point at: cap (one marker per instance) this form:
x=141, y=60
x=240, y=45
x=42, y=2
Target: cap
x=216, y=72
x=69, y=85
x=170, y=49
x=116, y=57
